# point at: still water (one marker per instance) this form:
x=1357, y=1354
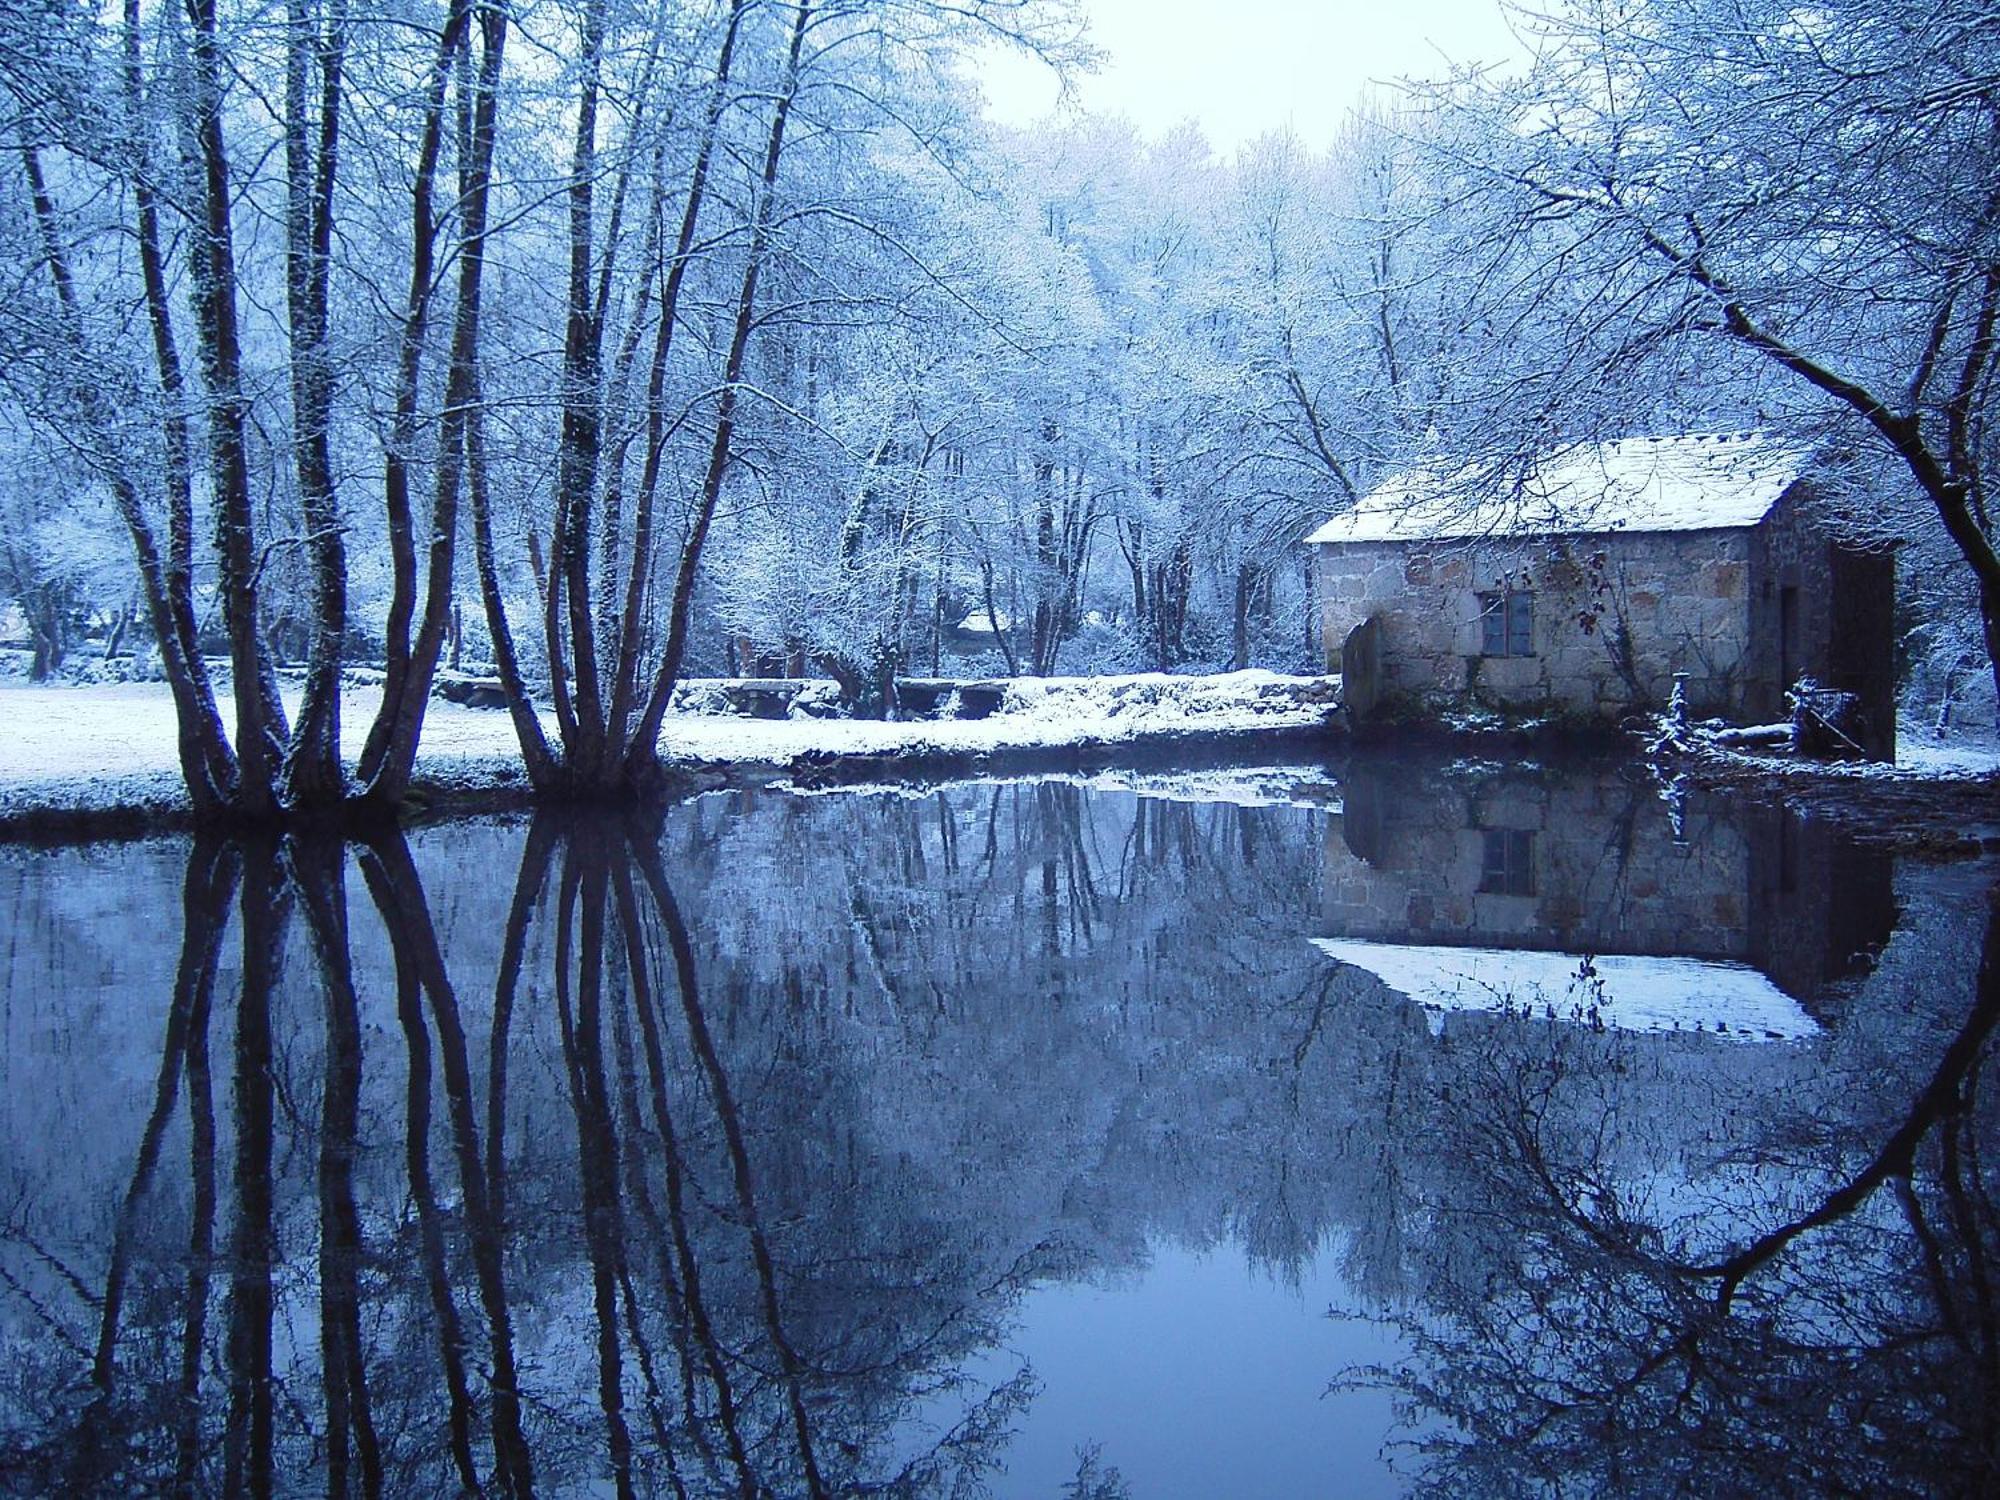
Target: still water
x=1477, y=1128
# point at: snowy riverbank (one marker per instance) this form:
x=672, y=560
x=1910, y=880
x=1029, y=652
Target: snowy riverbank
x=69, y=755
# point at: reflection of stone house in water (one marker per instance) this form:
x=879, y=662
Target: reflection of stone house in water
x=1460, y=892
x=1611, y=567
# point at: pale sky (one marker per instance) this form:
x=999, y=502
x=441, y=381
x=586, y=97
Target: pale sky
x=1242, y=67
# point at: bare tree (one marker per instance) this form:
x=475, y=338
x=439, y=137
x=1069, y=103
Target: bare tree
x=1805, y=196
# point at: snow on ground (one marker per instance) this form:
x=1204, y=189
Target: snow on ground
x=1050, y=712
x=1637, y=993
x=85, y=748
x=113, y=745
x=1921, y=753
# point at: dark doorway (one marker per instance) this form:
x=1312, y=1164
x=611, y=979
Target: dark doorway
x=1788, y=637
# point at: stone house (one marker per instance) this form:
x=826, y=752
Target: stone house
x=1582, y=590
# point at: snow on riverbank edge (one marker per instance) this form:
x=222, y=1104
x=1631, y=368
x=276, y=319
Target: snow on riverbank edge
x=73, y=757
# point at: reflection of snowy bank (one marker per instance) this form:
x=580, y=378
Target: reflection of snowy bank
x=1226, y=785
x=1239, y=786
x=1623, y=992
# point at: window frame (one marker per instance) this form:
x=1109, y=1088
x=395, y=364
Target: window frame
x=1512, y=872
x=1506, y=622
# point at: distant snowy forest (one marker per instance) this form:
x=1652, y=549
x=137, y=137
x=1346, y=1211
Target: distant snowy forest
x=591, y=344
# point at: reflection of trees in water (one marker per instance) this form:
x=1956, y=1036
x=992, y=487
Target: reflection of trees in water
x=694, y=1159
x=302, y=1318
x=1820, y=1318
x=766, y=1121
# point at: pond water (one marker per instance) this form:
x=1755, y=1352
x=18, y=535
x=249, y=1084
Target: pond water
x=1486, y=1127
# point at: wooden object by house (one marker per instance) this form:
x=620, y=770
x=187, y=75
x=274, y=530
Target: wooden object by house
x=1580, y=590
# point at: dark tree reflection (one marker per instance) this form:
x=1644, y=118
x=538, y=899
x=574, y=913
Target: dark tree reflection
x=332, y=1296
x=1819, y=1319
x=708, y=1156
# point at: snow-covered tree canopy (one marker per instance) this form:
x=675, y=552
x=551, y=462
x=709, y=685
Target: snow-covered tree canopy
x=607, y=343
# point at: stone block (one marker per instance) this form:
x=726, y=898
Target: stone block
x=1385, y=584
x=1724, y=580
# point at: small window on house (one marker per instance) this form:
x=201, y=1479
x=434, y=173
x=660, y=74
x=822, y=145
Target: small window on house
x=1507, y=624
x=1507, y=862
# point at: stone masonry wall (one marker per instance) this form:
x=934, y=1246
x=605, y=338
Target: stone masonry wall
x=1615, y=617
x=1842, y=628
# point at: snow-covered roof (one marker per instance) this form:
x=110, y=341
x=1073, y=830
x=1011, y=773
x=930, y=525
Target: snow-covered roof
x=1639, y=993
x=1704, y=483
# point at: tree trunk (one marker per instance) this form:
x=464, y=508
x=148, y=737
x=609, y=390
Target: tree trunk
x=208, y=766
x=1239, y=618
x=577, y=453
x=627, y=650
x=313, y=775
x=389, y=778
x=642, y=755
x=404, y=424
x=260, y=720
x=543, y=770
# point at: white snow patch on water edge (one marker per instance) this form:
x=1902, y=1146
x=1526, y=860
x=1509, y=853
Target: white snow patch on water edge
x=113, y=746
x=1634, y=993
x=1921, y=756
x=1035, y=713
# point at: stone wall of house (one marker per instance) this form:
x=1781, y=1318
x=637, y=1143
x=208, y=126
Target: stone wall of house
x=1615, y=617
x=1842, y=620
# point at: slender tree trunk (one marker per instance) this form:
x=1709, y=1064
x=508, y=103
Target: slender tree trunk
x=1247, y=578
x=313, y=773
x=260, y=720
x=208, y=763
x=544, y=772
x=625, y=673
x=582, y=708
x=1043, y=630
x=208, y=766
x=642, y=755
x=387, y=778
x=404, y=424
x=993, y=620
